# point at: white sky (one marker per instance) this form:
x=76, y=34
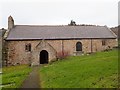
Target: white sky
x=59, y=12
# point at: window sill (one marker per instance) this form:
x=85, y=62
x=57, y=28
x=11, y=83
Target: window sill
x=78, y=53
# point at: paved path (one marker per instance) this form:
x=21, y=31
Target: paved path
x=32, y=81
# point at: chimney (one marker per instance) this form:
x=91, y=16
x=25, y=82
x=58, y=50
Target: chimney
x=10, y=22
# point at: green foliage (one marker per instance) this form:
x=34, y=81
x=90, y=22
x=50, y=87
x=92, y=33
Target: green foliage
x=98, y=70
x=13, y=76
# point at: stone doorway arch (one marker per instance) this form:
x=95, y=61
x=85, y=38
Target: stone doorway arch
x=44, y=47
x=44, y=57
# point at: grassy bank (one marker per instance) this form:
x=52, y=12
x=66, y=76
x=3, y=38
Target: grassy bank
x=13, y=76
x=99, y=70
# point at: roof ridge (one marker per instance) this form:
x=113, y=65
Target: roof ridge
x=41, y=25
x=62, y=25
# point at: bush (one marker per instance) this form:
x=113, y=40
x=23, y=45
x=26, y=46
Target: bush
x=62, y=54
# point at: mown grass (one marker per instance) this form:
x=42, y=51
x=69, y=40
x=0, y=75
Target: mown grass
x=98, y=70
x=13, y=76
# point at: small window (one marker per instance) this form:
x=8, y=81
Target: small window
x=28, y=47
x=78, y=46
x=103, y=42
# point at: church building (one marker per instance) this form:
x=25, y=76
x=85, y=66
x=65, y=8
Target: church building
x=41, y=44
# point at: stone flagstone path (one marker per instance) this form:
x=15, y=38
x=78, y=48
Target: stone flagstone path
x=33, y=80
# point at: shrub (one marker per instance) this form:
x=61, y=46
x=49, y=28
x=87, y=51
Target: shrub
x=62, y=54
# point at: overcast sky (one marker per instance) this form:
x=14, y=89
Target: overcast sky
x=59, y=12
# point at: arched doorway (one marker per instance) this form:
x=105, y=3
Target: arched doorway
x=43, y=57
x=78, y=46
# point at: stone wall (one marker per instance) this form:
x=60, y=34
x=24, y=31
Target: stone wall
x=18, y=55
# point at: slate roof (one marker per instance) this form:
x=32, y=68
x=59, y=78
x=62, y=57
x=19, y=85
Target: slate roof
x=27, y=32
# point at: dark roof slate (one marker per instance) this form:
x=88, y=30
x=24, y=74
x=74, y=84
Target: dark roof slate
x=26, y=32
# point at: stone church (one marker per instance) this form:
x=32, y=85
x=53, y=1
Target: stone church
x=40, y=44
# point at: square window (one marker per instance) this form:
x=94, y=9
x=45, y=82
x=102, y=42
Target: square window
x=28, y=47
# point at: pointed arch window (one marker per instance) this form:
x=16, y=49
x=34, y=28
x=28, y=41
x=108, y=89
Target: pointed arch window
x=78, y=46
x=28, y=47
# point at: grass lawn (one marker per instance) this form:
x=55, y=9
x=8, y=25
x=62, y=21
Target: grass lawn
x=98, y=70
x=13, y=76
